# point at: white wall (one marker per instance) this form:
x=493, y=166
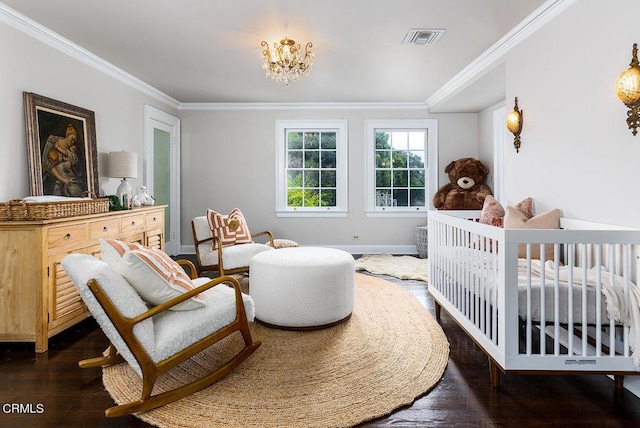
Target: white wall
x=228, y=161
x=485, y=140
x=27, y=64
x=577, y=153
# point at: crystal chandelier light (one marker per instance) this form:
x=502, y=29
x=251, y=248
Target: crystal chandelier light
x=286, y=63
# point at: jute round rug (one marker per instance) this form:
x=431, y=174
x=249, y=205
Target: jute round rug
x=390, y=352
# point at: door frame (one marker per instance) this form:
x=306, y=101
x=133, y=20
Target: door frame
x=158, y=119
x=499, y=141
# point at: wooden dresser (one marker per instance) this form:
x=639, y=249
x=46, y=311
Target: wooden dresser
x=37, y=299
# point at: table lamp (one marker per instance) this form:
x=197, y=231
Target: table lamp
x=123, y=165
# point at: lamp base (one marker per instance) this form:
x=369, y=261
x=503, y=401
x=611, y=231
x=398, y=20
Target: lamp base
x=124, y=193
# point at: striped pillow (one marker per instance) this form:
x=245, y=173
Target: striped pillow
x=157, y=277
x=113, y=250
x=232, y=229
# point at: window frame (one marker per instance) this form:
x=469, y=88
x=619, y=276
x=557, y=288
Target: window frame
x=431, y=165
x=342, y=167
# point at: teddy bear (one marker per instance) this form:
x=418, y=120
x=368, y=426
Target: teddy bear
x=142, y=197
x=467, y=190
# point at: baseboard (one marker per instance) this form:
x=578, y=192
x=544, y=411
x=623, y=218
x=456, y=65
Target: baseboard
x=352, y=249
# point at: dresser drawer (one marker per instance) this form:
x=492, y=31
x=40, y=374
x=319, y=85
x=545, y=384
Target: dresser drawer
x=104, y=228
x=64, y=236
x=152, y=220
x=132, y=223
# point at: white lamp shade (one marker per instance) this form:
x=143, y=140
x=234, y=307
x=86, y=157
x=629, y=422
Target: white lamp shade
x=123, y=164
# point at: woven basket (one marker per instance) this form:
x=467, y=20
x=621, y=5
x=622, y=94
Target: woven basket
x=422, y=241
x=19, y=209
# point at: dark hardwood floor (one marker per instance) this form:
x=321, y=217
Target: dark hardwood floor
x=50, y=390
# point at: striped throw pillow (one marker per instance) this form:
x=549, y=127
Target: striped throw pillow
x=113, y=250
x=232, y=228
x=157, y=277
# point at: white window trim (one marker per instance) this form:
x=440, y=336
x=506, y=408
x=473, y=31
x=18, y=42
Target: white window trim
x=342, y=168
x=431, y=125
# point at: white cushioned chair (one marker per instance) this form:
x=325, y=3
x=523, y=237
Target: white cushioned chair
x=228, y=259
x=152, y=341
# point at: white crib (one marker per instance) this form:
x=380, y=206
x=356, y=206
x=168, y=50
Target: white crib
x=528, y=321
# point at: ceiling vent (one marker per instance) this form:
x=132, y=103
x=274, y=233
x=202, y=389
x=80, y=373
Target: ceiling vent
x=423, y=36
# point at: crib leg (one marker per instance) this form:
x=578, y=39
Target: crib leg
x=494, y=373
x=438, y=310
x=619, y=381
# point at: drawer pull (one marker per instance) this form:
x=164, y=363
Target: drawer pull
x=105, y=229
x=133, y=223
x=67, y=236
x=154, y=219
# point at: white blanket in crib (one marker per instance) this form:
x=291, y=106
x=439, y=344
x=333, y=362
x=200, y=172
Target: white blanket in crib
x=619, y=307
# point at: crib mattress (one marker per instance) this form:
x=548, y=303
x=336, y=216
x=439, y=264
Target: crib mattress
x=565, y=291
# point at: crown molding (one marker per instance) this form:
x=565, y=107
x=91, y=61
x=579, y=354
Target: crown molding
x=45, y=35
x=549, y=10
x=487, y=60
x=303, y=106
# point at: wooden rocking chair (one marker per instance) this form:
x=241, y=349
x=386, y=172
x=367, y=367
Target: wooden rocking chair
x=225, y=260
x=129, y=325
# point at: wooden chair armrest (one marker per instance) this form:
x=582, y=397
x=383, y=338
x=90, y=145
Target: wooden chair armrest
x=193, y=273
x=264, y=232
x=219, y=250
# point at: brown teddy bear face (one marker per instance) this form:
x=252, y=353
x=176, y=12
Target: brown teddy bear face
x=466, y=190
x=467, y=172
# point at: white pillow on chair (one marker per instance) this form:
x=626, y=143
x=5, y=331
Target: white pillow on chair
x=113, y=250
x=151, y=272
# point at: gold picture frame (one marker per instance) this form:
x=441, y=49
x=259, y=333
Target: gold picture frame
x=61, y=148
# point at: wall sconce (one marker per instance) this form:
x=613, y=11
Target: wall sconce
x=514, y=125
x=628, y=90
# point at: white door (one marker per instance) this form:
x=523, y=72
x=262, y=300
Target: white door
x=162, y=169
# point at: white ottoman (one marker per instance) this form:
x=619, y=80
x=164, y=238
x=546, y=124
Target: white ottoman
x=302, y=288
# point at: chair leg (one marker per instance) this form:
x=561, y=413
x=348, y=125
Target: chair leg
x=110, y=359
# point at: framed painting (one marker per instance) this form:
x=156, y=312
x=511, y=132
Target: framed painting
x=61, y=148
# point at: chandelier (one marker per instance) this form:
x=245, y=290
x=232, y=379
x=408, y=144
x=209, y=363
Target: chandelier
x=285, y=63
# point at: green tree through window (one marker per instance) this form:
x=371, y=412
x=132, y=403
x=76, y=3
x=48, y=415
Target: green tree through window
x=311, y=168
x=400, y=168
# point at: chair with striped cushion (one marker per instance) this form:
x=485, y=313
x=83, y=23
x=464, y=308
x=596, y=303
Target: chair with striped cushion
x=224, y=244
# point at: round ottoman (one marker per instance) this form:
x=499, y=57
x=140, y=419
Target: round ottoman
x=302, y=287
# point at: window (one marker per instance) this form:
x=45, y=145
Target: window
x=312, y=168
x=402, y=174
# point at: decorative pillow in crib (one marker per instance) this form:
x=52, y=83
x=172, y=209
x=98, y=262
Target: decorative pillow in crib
x=158, y=278
x=514, y=219
x=232, y=229
x=493, y=213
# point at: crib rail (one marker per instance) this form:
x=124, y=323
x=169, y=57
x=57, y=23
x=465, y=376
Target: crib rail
x=539, y=315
